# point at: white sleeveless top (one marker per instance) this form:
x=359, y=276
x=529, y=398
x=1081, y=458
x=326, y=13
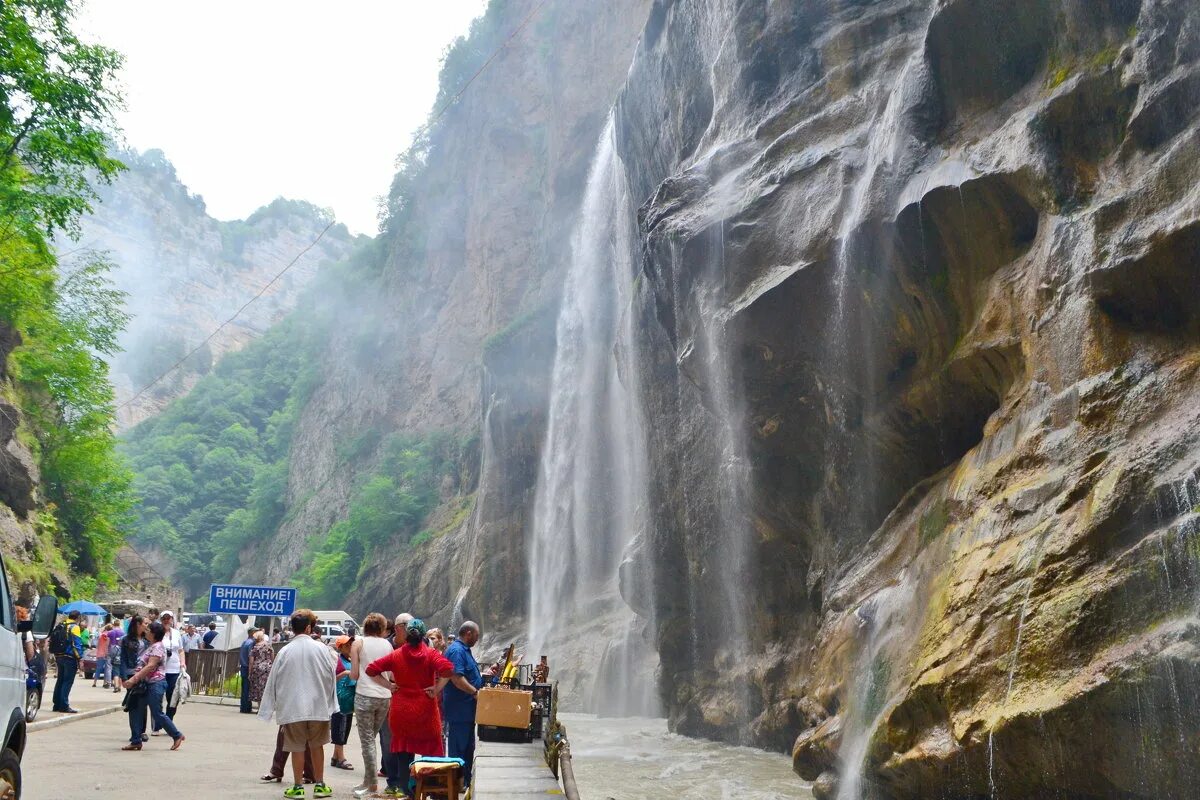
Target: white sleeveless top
x=373, y=648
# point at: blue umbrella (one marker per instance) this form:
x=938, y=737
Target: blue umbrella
x=85, y=607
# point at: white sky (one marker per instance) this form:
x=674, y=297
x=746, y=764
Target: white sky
x=260, y=98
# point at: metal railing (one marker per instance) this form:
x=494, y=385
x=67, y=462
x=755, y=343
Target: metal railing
x=217, y=673
x=558, y=750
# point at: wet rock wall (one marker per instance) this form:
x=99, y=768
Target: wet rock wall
x=939, y=259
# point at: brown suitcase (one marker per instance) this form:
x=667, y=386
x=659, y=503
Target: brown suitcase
x=503, y=708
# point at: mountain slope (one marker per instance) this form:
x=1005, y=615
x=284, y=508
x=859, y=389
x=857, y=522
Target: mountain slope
x=185, y=273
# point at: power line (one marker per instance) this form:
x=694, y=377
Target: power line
x=446, y=106
x=432, y=121
x=223, y=325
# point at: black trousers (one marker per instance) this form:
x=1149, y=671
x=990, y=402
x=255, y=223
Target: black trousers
x=246, y=708
x=280, y=760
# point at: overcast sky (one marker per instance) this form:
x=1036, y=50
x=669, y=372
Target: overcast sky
x=252, y=99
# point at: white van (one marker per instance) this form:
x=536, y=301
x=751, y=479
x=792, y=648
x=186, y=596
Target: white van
x=12, y=680
x=332, y=624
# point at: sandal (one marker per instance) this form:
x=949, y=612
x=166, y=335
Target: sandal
x=340, y=763
x=269, y=778
x=175, y=744
x=132, y=746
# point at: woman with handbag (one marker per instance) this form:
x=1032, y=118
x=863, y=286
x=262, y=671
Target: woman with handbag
x=146, y=688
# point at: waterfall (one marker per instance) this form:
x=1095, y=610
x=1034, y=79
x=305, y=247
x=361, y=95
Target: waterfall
x=590, y=506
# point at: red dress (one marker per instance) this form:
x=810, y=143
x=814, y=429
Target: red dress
x=413, y=717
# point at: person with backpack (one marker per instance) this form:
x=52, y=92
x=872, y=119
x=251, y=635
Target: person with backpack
x=209, y=636
x=66, y=644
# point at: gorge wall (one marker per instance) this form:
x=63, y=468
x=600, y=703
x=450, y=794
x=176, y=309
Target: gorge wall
x=940, y=261
x=457, y=333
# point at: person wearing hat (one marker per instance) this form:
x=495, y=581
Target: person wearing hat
x=244, y=669
x=341, y=722
x=418, y=673
x=175, y=663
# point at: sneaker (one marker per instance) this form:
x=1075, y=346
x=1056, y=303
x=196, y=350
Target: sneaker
x=294, y=791
x=394, y=791
x=363, y=791
x=322, y=790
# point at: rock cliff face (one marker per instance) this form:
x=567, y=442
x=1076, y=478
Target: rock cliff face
x=920, y=335
x=185, y=273
x=461, y=336
x=32, y=560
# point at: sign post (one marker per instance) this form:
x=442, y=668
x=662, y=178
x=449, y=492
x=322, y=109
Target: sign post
x=231, y=599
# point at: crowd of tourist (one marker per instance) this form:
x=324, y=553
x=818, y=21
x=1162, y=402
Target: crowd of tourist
x=408, y=696
x=411, y=689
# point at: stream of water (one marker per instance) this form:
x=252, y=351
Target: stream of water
x=591, y=496
x=636, y=758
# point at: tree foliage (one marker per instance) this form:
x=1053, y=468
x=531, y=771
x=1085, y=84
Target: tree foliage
x=212, y=468
x=386, y=513
x=56, y=98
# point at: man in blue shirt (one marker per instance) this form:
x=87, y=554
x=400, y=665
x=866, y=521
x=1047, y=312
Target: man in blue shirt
x=458, y=698
x=68, y=664
x=244, y=664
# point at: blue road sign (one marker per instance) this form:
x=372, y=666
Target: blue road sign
x=278, y=601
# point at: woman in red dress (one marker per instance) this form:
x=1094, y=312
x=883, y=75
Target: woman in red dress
x=419, y=672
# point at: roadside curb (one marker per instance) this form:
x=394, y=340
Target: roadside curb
x=33, y=727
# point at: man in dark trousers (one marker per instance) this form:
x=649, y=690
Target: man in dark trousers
x=68, y=664
x=458, y=698
x=244, y=662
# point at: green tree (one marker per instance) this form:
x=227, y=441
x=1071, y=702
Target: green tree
x=56, y=99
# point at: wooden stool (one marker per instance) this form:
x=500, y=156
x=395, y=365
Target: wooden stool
x=436, y=781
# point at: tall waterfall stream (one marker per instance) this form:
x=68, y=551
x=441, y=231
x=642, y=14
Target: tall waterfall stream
x=591, y=496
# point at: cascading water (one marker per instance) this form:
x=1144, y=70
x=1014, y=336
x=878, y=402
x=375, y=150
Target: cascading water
x=591, y=495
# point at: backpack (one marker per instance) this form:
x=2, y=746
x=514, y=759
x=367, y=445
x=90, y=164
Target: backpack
x=346, y=690
x=60, y=640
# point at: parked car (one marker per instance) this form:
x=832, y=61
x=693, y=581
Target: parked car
x=14, y=691
x=35, y=681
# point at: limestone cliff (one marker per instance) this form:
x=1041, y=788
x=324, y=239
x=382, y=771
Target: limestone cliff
x=460, y=336
x=185, y=273
x=940, y=259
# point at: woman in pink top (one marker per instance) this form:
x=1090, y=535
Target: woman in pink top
x=103, y=668
x=152, y=673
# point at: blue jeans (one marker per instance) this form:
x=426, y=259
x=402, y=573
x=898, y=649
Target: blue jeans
x=460, y=743
x=67, y=667
x=172, y=679
x=151, y=700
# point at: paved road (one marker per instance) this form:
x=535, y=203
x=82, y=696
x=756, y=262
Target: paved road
x=223, y=757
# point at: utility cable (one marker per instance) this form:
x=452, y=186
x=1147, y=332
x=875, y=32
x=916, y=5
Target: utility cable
x=432, y=121
x=458, y=95
x=227, y=322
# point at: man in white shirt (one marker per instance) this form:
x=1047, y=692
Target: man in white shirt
x=191, y=639
x=300, y=696
x=175, y=663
